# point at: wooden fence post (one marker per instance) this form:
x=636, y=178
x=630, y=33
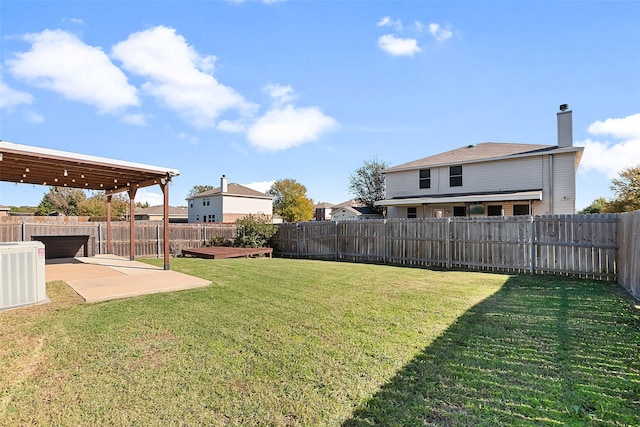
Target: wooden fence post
x=532, y=246
x=448, y=243
x=337, y=240
x=157, y=240
x=384, y=241
x=100, y=238
x=298, y=239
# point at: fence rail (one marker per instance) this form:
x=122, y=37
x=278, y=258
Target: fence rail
x=575, y=245
x=149, y=239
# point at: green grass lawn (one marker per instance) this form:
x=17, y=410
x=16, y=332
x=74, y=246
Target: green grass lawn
x=309, y=343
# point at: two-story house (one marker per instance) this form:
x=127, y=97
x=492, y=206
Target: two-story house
x=228, y=203
x=486, y=179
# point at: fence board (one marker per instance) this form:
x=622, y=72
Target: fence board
x=576, y=245
x=629, y=265
x=148, y=235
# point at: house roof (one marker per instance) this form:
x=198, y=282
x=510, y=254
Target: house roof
x=159, y=210
x=358, y=210
x=483, y=152
x=233, y=189
x=325, y=205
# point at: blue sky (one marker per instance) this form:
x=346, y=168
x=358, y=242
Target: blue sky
x=309, y=90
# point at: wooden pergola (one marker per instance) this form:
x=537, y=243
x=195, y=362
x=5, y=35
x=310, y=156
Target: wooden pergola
x=42, y=166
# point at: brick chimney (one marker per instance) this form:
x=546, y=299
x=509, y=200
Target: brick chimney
x=224, y=187
x=565, y=126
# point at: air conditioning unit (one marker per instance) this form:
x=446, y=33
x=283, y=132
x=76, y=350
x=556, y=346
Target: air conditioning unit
x=22, y=274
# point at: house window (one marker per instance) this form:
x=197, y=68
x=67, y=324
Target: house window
x=459, y=211
x=191, y=204
x=207, y=202
x=455, y=176
x=204, y=203
x=412, y=212
x=425, y=178
x=197, y=218
x=521, y=209
x=494, y=210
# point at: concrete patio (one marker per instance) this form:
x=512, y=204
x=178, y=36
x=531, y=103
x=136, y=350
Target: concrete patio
x=106, y=277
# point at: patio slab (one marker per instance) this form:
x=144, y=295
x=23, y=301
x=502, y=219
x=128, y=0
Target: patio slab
x=106, y=277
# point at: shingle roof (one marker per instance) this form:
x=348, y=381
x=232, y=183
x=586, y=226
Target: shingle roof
x=233, y=189
x=159, y=210
x=479, y=152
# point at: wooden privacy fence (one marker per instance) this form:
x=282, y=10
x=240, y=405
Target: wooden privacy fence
x=576, y=245
x=629, y=256
x=148, y=235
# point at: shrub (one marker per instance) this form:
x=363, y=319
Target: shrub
x=254, y=231
x=219, y=241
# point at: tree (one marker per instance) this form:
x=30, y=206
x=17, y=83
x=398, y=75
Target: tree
x=96, y=206
x=254, y=231
x=599, y=205
x=62, y=200
x=197, y=189
x=627, y=191
x=367, y=183
x=290, y=200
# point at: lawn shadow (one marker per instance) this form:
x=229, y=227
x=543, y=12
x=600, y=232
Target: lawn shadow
x=541, y=351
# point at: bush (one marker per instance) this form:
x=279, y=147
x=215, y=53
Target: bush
x=219, y=241
x=254, y=231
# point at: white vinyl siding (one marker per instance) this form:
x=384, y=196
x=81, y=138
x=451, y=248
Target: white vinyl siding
x=246, y=205
x=229, y=205
x=501, y=175
x=564, y=178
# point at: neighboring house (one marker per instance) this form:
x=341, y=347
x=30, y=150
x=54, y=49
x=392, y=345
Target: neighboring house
x=488, y=179
x=4, y=210
x=323, y=211
x=228, y=203
x=351, y=213
x=156, y=213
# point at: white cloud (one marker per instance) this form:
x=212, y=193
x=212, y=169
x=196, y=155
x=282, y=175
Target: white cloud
x=280, y=94
x=398, y=46
x=135, y=119
x=33, y=117
x=178, y=76
x=388, y=22
x=232, y=126
x=10, y=98
x=145, y=196
x=441, y=34
x=607, y=157
x=61, y=62
x=283, y=128
x=626, y=127
x=261, y=186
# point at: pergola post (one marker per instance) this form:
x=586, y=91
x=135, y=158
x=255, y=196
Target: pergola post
x=132, y=232
x=109, y=224
x=164, y=185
